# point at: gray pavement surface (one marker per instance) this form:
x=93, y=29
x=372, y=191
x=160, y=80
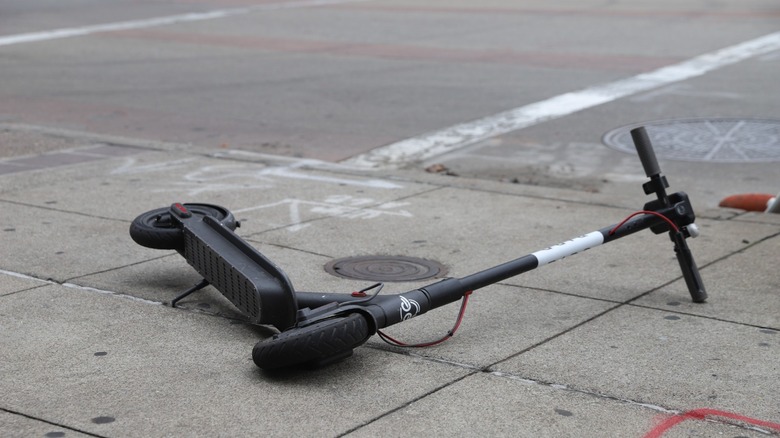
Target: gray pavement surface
x=261, y=109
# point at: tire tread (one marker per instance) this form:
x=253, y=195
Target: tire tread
x=319, y=342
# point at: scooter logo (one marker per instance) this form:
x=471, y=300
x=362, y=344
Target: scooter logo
x=409, y=308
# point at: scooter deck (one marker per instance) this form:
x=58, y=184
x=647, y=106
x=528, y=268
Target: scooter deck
x=256, y=286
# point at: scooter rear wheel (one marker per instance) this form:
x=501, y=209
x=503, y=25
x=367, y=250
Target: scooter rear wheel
x=157, y=229
x=314, y=345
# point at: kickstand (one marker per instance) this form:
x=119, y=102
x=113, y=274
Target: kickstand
x=203, y=283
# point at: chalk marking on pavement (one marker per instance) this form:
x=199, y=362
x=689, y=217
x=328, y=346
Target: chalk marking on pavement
x=160, y=21
x=456, y=137
x=336, y=206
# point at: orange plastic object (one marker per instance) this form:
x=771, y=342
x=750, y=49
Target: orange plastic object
x=747, y=201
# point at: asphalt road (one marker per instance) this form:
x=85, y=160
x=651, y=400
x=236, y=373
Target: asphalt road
x=337, y=79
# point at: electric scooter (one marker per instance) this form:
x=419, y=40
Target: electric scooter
x=316, y=329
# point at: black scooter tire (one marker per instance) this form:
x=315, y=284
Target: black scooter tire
x=315, y=345
x=156, y=228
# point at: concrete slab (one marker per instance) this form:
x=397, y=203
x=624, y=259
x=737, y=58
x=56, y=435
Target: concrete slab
x=441, y=226
x=165, y=277
x=50, y=244
x=549, y=156
x=20, y=425
x=663, y=358
x=281, y=195
x=473, y=230
x=754, y=217
x=744, y=288
x=12, y=283
x=161, y=280
x=624, y=192
x=117, y=367
x=22, y=142
x=645, y=261
x=499, y=323
x=506, y=405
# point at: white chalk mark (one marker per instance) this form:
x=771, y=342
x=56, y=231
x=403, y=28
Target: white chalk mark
x=345, y=207
x=370, y=183
x=130, y=166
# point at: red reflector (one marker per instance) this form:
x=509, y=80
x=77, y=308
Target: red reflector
x=180, y=210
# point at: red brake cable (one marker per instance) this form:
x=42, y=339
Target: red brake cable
x=390, y=340
x=654, y=213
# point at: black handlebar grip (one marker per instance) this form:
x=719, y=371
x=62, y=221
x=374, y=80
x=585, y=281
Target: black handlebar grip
x=689, y=269
x=645, y=150
x=313, y=345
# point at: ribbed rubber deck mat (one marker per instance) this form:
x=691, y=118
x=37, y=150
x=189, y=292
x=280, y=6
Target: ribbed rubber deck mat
x=230, y=281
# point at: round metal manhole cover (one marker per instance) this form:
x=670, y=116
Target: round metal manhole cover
x=386, y=268
x=712, y=140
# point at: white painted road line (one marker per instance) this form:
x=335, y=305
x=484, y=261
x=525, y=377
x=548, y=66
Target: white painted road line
x=456, y=137
x=160, y=21
x=109, y=27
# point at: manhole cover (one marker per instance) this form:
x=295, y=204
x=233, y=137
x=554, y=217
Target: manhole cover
x=385, y=268
x=713, y=140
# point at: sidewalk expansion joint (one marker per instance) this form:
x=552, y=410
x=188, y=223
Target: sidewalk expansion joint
x=68, y=285
x=67, y=157
x=59, y=210
x=405, y=405
x=696, y=315
x=640, y=404
x=406, y=352
x=562, y=387
x=52, y=423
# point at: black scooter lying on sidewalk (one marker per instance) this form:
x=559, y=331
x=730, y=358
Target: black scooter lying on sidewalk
x=320, y=328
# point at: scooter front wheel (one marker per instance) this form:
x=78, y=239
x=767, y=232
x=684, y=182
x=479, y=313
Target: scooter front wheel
x=314, y=345
x=159, y=230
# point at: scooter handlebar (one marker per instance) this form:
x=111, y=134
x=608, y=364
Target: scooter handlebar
x=645, y=150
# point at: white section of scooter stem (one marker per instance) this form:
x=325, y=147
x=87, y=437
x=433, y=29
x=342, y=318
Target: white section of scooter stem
x=773, y=205
x=569, y=247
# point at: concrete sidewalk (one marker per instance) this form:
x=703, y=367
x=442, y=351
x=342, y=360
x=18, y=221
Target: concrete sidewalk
x=602, y=344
